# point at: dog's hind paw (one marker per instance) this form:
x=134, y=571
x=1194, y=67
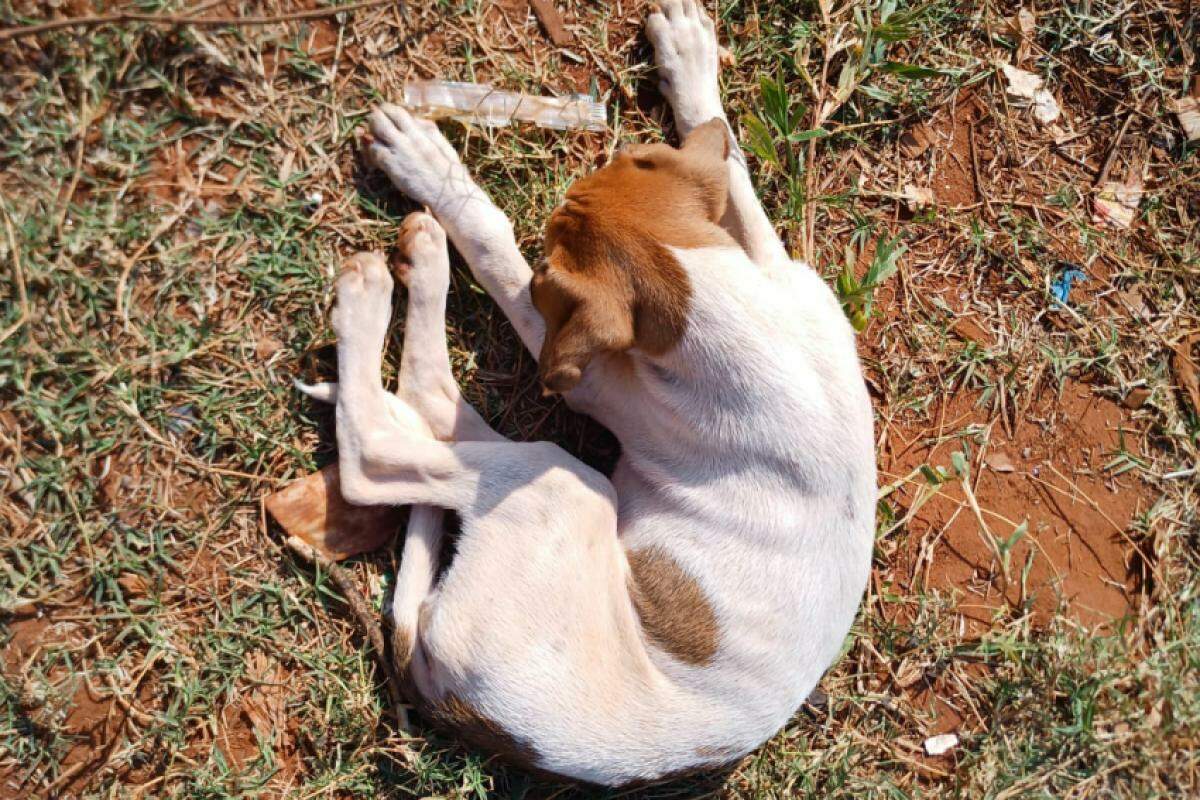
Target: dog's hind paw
x=424, y=263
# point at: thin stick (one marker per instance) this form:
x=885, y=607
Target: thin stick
x=18, y=278
x=187, y=19
x=84, y=124
x=1112, y=153
x=363, y=614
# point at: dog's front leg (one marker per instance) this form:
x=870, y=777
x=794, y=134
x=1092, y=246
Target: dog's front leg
x=423, y=165
x=686, y=53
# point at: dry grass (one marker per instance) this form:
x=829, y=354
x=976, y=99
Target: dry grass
x=173, y=202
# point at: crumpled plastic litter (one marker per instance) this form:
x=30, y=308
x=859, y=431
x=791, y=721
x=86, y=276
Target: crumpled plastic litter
x=1060, y=287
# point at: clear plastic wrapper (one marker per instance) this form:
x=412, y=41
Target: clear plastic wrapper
x=484, y=104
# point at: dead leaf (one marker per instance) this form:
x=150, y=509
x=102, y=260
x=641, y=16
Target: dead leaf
x=997, y=461
x=1026, y=21
x=916, y=140
x=313, y=510
x=285, y=172
x=966, y=328
x=1024, y=85
x=917, y=197
x=1135, y=304
x=266, y=347
x=908, y=673
x=117, y=482
x=1185, y=370
x=1117, y=204
x=1136, y=397
x=264, y=703
x=285, y=169
x=133, y=585
x=1023, y=26
x=1187, y=109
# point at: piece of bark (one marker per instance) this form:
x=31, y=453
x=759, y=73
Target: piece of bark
x=1185, y=370
x=916, y=140
x=552, y=21
x=967, y=329
x=1136, y=398
x=313, y=510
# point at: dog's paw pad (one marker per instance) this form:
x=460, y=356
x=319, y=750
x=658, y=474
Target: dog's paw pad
x=688, y=58
x=364, y=295
x=363, y=271
x=423, y=263
x=418, y=159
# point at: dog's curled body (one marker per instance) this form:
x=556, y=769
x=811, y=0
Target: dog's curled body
x=675, y=617
x=743, y=520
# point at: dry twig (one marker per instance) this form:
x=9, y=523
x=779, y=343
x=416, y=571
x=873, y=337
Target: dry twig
x=174, y=20
x=363, y=615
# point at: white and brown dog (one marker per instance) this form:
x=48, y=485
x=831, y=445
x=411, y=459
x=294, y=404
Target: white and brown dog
x=674, y=617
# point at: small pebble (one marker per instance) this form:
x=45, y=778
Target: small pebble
x=941, y=744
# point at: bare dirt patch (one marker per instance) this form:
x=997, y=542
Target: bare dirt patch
x=1053, y=475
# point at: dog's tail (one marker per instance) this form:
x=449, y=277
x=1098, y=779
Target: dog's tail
x=414, y=582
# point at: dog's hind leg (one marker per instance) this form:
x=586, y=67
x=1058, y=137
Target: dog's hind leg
x=427, y=384
x=386, y=454
x=425, y=381
x=517, y=501
x=415, y=578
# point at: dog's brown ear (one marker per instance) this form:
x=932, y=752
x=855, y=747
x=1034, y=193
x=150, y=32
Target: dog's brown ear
x=703, y=156
x=709, y=141
x=586, y=313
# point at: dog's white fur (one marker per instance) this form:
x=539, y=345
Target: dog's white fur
x=747, y=457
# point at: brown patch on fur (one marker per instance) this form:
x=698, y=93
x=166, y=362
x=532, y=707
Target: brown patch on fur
x=609, y=282
x=674, y=612
x=402, y=650
x=462, y=718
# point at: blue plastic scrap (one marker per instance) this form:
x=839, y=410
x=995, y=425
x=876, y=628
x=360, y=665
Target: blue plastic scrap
x=1061, y=286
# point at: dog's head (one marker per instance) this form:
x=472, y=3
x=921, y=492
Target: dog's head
x=609, y=283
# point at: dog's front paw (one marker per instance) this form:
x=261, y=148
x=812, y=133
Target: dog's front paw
x=687, y=56
x=419, y=160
